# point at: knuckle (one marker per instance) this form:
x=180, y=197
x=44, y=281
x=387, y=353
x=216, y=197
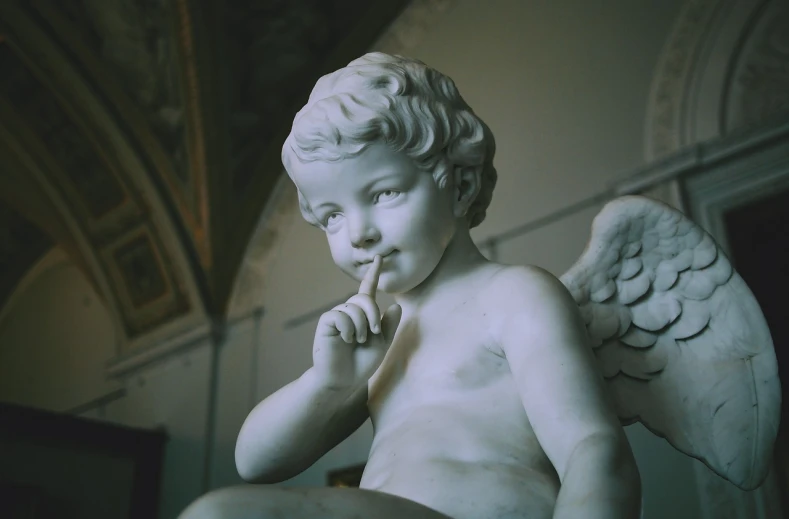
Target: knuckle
x=365, y=304
x=343, y=310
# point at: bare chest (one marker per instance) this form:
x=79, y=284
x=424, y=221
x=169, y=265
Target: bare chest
x=439, y=359
x=444, y=404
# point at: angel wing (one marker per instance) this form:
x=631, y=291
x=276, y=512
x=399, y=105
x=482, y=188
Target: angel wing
x=680, y=338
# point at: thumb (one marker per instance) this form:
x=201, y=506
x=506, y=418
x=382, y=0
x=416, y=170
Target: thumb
x=390, y=322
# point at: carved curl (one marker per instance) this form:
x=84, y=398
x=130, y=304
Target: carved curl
x=403, y=103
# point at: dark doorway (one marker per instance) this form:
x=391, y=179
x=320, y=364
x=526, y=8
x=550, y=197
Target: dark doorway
x=758, y=235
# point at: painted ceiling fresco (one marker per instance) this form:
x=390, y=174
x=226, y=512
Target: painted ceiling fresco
x=144, y=135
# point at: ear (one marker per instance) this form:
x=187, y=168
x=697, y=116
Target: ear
x=467, y=182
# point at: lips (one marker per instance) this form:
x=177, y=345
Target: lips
x=370, y=260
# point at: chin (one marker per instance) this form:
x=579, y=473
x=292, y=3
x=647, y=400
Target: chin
x=389, y=285
x=393, y=284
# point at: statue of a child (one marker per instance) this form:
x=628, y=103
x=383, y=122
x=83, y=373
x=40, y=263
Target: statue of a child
x=484, y=382
x=480, y=384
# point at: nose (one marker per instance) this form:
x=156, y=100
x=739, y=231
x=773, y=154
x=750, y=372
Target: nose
x=363, y=233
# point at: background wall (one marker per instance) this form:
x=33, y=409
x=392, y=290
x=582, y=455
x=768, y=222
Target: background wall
x=564, y=85
x=61, y=335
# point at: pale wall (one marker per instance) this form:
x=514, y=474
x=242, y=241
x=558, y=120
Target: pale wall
x=564, y=86
x=57, y=308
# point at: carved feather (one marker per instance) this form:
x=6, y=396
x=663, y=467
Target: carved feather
x=679, y=337
x=630, y=268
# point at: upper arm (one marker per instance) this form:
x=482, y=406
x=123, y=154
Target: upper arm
x=544, y=339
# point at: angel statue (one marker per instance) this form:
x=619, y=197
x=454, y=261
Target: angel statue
x=495, y=391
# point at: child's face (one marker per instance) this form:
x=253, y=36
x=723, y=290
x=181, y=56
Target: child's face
x=380, y=202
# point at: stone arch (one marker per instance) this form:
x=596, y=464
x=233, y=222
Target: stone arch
x=102, y=201
x=723, y=68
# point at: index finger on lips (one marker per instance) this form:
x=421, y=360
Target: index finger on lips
x=370, y=281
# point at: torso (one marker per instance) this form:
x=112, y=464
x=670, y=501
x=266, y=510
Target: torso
x=451, y=432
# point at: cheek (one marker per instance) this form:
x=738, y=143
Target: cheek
x=338, y=253
x=428, y=221
x=431, y=233
x=341, y=254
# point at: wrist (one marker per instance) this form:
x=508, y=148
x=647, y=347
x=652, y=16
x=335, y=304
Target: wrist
x=322, y=383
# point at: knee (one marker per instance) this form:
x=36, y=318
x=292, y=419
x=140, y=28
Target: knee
x=213, y=505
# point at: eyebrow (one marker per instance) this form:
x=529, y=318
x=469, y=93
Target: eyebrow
x=324, y=204
x=387, y=175
x=381, y=178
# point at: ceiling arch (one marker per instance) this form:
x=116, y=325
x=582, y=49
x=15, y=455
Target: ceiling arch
x=144, y=136
x=722, y=69
x=58, y=134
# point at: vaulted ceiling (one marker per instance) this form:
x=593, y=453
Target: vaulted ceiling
x=143, y=136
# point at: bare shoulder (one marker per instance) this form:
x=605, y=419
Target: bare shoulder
x=526, y=277
x=527, y=301
x=526, y=289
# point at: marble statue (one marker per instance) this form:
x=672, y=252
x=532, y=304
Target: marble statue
x=495, y=391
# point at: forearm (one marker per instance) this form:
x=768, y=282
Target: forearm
x=288, y=431
x=601, y=481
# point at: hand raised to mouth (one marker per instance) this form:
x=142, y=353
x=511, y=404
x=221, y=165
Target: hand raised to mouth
x=352, y=338
x=369, y=284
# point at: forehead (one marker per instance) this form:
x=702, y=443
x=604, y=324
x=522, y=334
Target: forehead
x=376, y=162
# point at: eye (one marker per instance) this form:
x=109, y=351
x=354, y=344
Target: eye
x=387, y=195
x=330, y=219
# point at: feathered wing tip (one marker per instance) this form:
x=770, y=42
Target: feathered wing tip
x=679, y=337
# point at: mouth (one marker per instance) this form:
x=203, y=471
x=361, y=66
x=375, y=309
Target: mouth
x=370, y=260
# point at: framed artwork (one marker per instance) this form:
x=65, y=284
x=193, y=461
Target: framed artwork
x=30, y=502
x=346, y=477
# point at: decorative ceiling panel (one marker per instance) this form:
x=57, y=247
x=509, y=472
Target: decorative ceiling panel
x=113, y=217
x=140, y=56
x=100, y=191
x=135, y=41
x=144, y=281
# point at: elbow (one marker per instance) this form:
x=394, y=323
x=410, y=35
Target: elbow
x=619, y=465
x=601, y=477
x=255, y=470
x=623, y=463
x=244, y=467
x=611, y=455
x=247, y=466
x=251, y=473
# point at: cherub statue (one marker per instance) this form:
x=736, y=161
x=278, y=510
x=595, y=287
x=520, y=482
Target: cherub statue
x=495, y=391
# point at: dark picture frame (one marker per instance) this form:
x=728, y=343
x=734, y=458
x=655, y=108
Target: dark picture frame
x=348, y=477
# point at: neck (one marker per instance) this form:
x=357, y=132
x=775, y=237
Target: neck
x=460, y=258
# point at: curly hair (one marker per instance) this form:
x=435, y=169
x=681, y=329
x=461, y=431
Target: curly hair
x=400, y=102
